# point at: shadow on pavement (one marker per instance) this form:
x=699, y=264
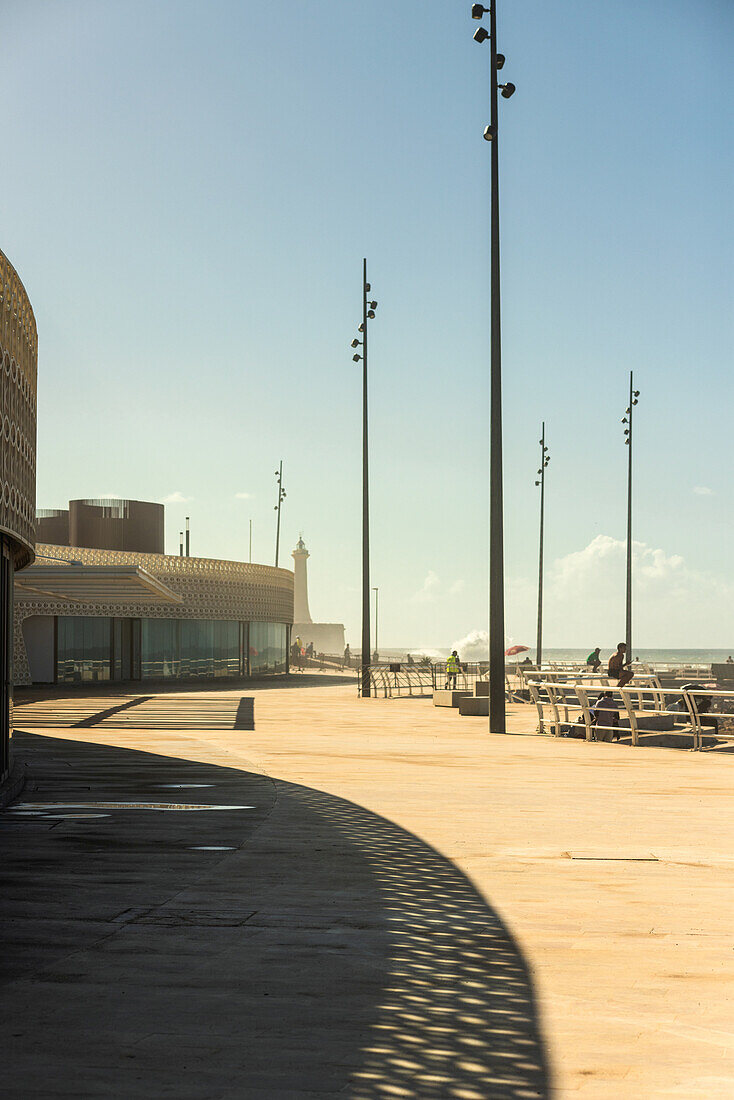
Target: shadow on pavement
x=329, y=953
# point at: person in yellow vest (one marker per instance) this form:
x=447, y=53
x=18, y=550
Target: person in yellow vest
x=453, y=667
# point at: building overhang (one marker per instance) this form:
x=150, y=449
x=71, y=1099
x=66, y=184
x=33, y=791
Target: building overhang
x=89, y=584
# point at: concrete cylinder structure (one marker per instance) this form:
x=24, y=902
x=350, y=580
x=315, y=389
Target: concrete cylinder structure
x=52, y=526
x=116, y=525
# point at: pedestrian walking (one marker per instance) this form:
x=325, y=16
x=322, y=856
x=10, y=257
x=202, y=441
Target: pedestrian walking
x=453, y=668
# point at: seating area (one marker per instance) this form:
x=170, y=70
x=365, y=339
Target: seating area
x=644, y=712
x=653, y=709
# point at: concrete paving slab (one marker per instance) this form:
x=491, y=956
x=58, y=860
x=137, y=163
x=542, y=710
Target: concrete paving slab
x=468, y=950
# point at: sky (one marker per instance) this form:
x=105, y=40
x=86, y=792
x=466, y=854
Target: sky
x=188, y=191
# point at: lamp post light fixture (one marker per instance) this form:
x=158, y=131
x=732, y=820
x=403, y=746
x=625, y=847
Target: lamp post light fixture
x=368, y=313
x=544, y=460
x=276, y=508
x=496, y=533
x=627, y=420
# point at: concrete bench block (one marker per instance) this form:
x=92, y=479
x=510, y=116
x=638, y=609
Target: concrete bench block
x=481, y=688
x=442, y=698
x=477, y=705
x=657, y=722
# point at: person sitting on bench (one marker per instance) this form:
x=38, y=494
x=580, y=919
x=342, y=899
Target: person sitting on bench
x=605, y=717
x=618, y=668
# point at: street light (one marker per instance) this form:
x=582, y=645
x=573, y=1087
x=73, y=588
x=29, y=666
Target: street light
x=276, y=508
x=496, y=534
x=544, y=460
x=368, y=312
x=627, y=419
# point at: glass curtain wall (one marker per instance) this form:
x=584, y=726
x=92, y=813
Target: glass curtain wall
x=90, y=649
x=83, y=649
x=159, y=657
x=209, y=647
x=268, y=647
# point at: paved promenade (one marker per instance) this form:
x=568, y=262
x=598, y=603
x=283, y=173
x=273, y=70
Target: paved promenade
x=385, y=902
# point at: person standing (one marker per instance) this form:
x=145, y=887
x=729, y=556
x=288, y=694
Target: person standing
x=347, y=656
x=453, y=668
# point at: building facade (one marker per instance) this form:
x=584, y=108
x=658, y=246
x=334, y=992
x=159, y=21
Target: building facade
x=85, y=615
x=18, y=362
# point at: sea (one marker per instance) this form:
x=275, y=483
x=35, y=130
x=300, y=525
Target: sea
x=652, y=656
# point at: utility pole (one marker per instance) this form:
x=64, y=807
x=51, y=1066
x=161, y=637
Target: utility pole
x=627, y=419
x=544, y=460
x=188, y=539
x=496, y=517
x=368, y=313
x=377, y=606
x=250, y=542
x=180, y=544
x=281, y=498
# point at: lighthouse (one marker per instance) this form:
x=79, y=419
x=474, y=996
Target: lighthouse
x=300, y=555
x=326, y=637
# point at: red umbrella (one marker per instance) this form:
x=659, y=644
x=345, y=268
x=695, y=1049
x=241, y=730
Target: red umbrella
x=514, y=649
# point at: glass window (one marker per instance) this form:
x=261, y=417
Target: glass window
x=209, y=648
x=83, y=649
x=159, y=649
x=267, y=648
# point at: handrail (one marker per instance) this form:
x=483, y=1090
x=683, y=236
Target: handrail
x=647, y=699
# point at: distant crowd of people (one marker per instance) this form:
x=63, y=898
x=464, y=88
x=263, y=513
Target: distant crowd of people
x=300, y=653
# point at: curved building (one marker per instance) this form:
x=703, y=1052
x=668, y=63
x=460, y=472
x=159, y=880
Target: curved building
x=84, y=615
x=18, y=361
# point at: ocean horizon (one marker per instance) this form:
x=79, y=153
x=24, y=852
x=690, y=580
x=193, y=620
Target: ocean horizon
x=690, y=656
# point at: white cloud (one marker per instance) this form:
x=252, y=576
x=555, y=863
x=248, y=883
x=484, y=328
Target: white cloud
x=243, y=496
x=176, y=498
x=428, y=591
x=674, y=605
x=703, y=491
x=457, y=587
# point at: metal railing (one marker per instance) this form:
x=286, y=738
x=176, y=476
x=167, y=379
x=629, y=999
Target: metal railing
x=396, y=679
x=565, y=708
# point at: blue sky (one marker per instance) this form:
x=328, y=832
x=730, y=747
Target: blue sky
x=188, y=191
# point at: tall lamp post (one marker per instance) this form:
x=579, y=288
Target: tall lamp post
x=496, y=535
x=544, y=460
x=627, y=419
x=276, y=508
x=377, y=605
x=368, y=312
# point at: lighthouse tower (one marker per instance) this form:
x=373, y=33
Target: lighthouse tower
x=300, y=555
